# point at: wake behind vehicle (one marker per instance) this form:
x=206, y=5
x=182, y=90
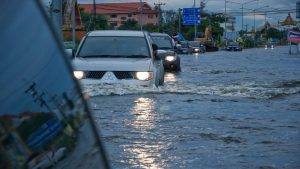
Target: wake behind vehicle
x=122, y=57
x=166, y=51
x=269, y=45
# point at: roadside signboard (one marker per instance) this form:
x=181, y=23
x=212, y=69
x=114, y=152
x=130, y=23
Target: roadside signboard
x=191, y=16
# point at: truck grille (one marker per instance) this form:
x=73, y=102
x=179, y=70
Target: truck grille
x=95, y=74
x=123, y=75
x=99, y=74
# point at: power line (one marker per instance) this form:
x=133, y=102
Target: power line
x=261, y=12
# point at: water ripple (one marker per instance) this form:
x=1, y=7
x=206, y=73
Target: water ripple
x=246, y=90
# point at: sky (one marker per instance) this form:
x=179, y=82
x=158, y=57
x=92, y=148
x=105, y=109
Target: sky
x=219, y=6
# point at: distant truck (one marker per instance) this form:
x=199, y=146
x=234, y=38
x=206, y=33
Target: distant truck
x=207, y=40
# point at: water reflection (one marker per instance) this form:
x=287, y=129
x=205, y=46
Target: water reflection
x=170, y=77
x=146, y=154
x=144, y=114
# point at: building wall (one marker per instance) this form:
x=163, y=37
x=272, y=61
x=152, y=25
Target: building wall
x=117, y=20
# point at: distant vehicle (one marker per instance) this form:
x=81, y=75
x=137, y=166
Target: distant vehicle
x=269, y=45
x=122, y=57
x=233, y=46
x=207, y=40
x=68, y=46
x=166, y=51
x=196, y=47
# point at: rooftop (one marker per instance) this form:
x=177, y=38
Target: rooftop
x=119, y=8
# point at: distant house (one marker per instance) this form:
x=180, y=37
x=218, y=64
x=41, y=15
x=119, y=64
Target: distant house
x=287, y=24
x=118, y=13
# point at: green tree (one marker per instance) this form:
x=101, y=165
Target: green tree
x=151, y=28
x=274, y=33
x=100, y=21
x=130, y=24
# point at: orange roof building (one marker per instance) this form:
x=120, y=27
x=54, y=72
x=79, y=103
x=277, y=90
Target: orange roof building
x=119, y=13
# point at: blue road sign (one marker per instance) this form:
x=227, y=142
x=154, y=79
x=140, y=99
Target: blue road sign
x=191, y=11
x=191, y=16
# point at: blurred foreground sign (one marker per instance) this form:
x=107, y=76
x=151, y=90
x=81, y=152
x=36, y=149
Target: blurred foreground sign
x=42, y=108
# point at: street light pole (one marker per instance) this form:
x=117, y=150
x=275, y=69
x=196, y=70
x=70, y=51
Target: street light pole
x=242, y=9
x=179, y=20
x=195, y=26
x=160, y=12
x=254, y=13
x=254, y=20
x=94, y=15
x=141, y=14
x=225, y=21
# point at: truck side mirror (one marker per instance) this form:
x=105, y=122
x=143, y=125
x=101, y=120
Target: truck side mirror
x=155, y=48
x=70, y=53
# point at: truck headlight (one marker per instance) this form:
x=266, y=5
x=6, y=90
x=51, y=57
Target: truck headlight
x=144, y=75
x=78, y=74
x=170, y=58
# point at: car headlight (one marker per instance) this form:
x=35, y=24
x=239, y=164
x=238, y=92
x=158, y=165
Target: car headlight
x=170, y=58
x=78, y=74
x=144, y=75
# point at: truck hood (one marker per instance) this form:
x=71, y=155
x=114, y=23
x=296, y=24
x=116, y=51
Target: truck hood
x=163, y=53
x=113, y=64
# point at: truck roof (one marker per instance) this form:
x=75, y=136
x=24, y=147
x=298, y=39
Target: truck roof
x=116, y=33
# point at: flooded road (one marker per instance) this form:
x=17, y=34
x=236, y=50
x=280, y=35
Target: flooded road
x=224, y=110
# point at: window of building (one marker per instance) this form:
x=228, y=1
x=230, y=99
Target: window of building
x=150, y=16
x=130, y=15
x=113, y=16
x=123, y=22
x=123, y=18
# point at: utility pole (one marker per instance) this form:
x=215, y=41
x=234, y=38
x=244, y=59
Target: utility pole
x=254, y=13
x=73, y=16
x=141, y=15
x=159, y=4
x=38, y=97
x=94, y=15
x=241, y=8
x=225, y=21
x=195, y=24
x=179, y=20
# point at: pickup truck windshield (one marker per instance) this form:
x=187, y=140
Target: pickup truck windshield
x=163, y=42
x=114, y=47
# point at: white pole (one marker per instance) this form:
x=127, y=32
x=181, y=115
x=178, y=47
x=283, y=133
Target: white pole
x=195, y=26
x=225, y=21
